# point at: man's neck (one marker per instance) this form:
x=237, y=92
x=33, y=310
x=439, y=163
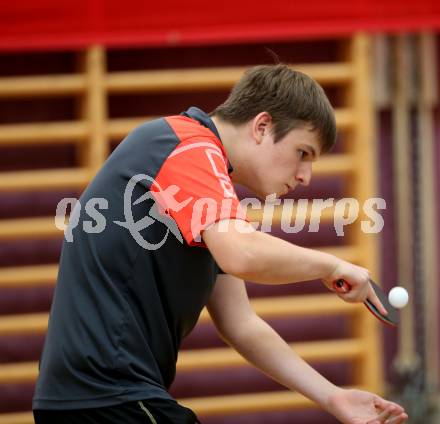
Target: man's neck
x=230, y=136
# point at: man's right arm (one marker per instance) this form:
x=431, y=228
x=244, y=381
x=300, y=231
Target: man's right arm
x=261, y=258
x=255, y=256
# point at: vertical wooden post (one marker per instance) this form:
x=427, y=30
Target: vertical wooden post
x=94, y=109
x=403, y=198
x=426, y=100
x=363, y=186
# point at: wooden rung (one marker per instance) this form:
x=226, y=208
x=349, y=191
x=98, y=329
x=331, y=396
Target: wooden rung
x=66, y=132
x=345, y=118
x=249, y=402
x=45, y=179
x=242, y=403
x=199, y=359
x=17, y=418
x=80, y=177
x=347, y=253
x=334, y=164
x=43, y=275
x=28, y=276
x=23, y=324
x=302, y=305
x=215, y=405
x=325, y=216
x=46, y=85
x=119, y=128
x=192, y=360
x=285, y=306
x=29, y=228
x=328, y=73
x=23, y=372
x=43, y=133
x=212, y=78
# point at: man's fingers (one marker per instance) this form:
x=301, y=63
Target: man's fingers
x=387, y=413
x=382, y=404
x=393, y=414
x=372, y=297
x=399, y=409
x=399, y=419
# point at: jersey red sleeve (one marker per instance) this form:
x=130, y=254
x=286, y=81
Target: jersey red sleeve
x=193, y=187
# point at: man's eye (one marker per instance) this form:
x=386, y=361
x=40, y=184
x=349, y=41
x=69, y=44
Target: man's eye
x=302, y=153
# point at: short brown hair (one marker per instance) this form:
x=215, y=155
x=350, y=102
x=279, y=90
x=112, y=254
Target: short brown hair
x=293, y=99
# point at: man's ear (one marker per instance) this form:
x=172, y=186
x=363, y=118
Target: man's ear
x=261, y=126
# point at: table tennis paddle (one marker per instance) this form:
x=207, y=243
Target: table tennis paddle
x=392, y=318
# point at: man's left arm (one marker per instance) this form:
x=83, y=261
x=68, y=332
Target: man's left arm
x=257, y=342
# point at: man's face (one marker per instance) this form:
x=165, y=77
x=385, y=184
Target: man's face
x=280, y=167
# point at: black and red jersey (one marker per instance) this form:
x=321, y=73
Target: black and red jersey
x=128, y=293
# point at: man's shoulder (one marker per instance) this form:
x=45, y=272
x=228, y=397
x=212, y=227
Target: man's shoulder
x=187, y=128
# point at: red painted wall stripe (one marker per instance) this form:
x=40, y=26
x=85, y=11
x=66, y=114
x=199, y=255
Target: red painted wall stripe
x=50, y=24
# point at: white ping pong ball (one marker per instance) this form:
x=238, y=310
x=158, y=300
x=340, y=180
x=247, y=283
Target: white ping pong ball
x=398, y=297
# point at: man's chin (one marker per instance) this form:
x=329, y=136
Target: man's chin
x=265, y=195
x=270, y=197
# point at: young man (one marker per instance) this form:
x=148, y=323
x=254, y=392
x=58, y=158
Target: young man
x=174, y=240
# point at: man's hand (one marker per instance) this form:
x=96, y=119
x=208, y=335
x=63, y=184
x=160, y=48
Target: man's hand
x=358, y=279
x=359, y=407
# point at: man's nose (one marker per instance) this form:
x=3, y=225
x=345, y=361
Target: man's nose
x=304, y=174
